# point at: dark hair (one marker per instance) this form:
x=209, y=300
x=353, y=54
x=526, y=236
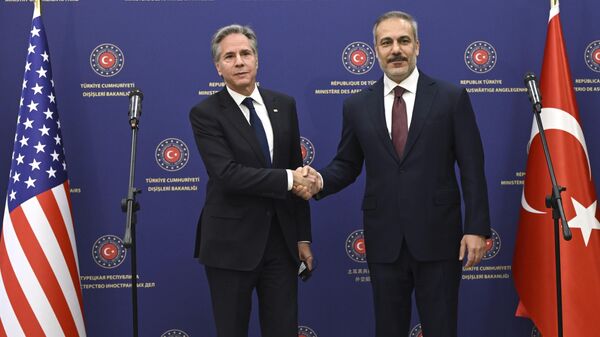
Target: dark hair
x=223, y=32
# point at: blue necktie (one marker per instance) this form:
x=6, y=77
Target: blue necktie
x=259, y=130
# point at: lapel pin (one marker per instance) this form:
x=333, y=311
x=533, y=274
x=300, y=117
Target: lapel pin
x=275, y=110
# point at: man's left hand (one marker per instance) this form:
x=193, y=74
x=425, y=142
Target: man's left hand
x=474, y=246
x=305, y=254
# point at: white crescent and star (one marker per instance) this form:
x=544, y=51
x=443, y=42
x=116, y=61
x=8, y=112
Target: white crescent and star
x=480, y=56
x=107, y=251
x=357, y=58
x=597, y=56
x=170, y=154
x=557, y=119
x=106, y=60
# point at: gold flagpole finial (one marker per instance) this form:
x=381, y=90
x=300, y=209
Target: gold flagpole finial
x=37, y=7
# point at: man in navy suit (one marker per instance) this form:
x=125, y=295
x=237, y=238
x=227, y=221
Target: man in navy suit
x=410, y=131
x=253, y=232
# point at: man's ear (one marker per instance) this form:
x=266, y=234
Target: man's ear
x=218, y=67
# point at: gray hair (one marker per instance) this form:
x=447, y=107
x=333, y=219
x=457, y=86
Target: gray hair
x=395, y=15
x=223, y=32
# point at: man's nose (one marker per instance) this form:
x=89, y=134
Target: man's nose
x=396, y=48
x=239, y=61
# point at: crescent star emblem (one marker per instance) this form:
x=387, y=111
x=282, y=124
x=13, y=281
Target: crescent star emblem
x=104, y=61
x=479, y=56
x=556, y=119
x=357, y=58
x=360, y=245
x=170, y=154
x=597, y=56
x=107, y=251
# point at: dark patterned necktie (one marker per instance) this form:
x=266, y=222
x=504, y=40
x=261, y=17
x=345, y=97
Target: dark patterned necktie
x=259, y=130
x=399, y=121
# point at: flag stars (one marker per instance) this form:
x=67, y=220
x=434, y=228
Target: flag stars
x=35, y=165
x=54, y=156
x=35, y=31
x=27, y=66
x=64, y=165
x=15, y=177
x=39, y=148
x=57, y=139
x=51, y=172
x=31, y=49
x=23, y=142
x=21, y=102
x=37, y=89
x=585, y=219
x=28, y=124
x=19, y=159
x=44, y=130
x=48, y=113
x=30, y=182
x=41, y=72
x=51, y=96
x=45, y=56
x=58, y=123
x=32, y=106
x=24, y=84
x=13, y=195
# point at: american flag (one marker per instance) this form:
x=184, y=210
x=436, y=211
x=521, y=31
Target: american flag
x=40, y=293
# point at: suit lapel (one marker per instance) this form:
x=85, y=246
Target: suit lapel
x=233, y=113
x=426, y=90
x=275, y=117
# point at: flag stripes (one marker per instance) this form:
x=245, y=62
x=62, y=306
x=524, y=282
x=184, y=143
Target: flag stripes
x=46, y=251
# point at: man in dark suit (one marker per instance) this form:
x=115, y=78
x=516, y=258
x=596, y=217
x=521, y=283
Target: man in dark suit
x=253, y=232
x=410, y=130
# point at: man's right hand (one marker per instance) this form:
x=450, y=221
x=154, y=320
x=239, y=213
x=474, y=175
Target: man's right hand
x=306, y=182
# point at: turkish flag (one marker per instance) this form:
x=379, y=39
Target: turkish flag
x=534, y=260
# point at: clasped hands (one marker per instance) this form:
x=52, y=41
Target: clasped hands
x=307, y=182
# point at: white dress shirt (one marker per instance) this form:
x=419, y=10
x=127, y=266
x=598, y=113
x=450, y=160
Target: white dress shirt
x=409, y=96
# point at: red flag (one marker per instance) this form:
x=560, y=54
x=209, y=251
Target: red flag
x=534, y=261
x=40, y=293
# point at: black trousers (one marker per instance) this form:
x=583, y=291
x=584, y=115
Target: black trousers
x=276, y=283
x=435, y=285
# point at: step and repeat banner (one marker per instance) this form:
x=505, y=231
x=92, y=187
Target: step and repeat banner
x=320, y=52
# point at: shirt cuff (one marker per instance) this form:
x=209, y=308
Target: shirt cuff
x=321, y=182
x=290, y=179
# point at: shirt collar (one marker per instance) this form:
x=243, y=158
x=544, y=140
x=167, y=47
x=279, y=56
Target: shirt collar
x=238, y=98
x=409, y=83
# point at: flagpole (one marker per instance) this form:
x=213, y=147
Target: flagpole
x=37, y=8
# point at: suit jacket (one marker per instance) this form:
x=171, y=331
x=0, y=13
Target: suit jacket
x=415, y=198
x=242, y=194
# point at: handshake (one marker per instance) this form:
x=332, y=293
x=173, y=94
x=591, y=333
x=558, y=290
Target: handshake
x=307, y=182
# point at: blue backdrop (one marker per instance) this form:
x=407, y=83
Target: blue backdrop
x=317, y=51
